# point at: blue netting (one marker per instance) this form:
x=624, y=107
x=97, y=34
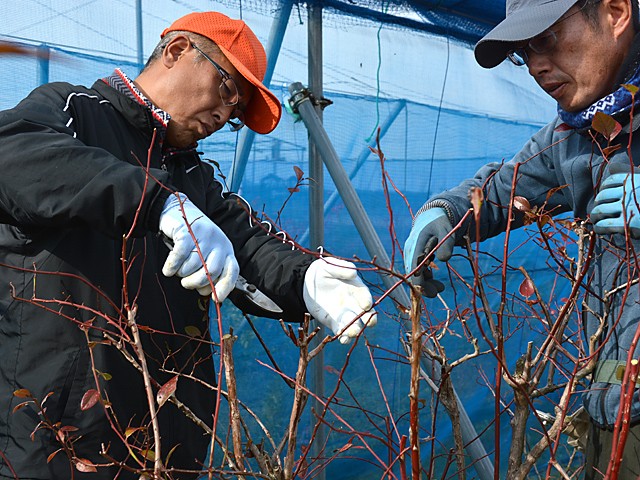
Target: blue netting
x=443, y=117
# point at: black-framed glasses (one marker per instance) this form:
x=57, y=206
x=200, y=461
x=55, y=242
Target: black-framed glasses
x=542, y=43
x=228, y=92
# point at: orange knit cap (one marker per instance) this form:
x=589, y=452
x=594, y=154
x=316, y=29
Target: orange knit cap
x=243, y=49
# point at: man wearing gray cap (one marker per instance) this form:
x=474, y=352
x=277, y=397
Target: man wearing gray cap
x=585, y=55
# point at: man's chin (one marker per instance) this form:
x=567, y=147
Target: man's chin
x=181, y=142
x=573, y=106
x=183, y=146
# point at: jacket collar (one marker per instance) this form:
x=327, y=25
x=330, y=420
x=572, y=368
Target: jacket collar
x=137, y=115
x=136, y=108
x=132, y=103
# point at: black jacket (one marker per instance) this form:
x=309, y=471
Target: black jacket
x=71, y=187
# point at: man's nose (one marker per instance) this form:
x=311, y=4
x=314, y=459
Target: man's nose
x=222, y=114
x=537, y=63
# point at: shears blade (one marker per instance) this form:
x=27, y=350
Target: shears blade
x=256, y=296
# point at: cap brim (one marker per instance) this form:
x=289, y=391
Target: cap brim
x=264, y=110
x=521, y=24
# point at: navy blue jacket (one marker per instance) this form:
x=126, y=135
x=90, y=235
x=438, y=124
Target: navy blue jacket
x=561, y=171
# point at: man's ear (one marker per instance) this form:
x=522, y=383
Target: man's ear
x=177, y=47
x=619, y=15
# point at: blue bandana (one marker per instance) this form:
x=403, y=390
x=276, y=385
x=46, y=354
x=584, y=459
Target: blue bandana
x=615, y=103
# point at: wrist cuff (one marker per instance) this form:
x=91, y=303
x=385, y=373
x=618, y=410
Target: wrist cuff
x=446, y=206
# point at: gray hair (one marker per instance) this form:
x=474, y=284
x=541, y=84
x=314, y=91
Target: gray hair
x=204, y=43
x=589, y=9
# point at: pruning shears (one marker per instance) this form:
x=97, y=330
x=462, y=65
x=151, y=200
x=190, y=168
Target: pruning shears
x=249, y=290
x=254, y=295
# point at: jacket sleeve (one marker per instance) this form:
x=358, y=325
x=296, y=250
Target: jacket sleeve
x=50, y=179
x=537, y=180
x=267, y=257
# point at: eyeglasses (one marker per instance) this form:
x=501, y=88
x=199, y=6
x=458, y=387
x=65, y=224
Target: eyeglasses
x=542, y=43
x=228, y=93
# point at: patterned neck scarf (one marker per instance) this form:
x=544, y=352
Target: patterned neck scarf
x=119, y=81
x=617, y=103
x=123, y=84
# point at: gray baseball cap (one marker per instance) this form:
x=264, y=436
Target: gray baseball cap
x=525, y=19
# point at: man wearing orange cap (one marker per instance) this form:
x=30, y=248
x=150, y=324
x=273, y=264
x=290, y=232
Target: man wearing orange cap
x=96, y=183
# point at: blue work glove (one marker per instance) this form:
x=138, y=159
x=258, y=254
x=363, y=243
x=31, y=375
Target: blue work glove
x=184, y=261
x=335, y=295
x=616, y=202
x=429, y=228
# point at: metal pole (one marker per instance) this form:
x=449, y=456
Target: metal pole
x=316, y=171
x=301, y=103
x=360, y=162
x=247, y=136
x=139, y=35
x=316, y=211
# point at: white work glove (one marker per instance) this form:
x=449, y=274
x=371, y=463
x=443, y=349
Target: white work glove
x=335, y=295
x=183, y=259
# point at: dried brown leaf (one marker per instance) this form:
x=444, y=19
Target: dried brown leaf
x=606, y=125
x=344, y=448
x=89, y=399
x=545, y=219
x=149, y=455
x=39, y=426
x=193, y=331
x=526, y=288
x=171, y=453
x=84, y=465
x=62, y=432
x=68, y=428
x=610, y=149
x=476, y=195
x=46, y=397
x=20, y=405
x=166, y=391
x=332, y=369
x=130, y=431
x=521, y=203
x=50, y=457
x=22, y=393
